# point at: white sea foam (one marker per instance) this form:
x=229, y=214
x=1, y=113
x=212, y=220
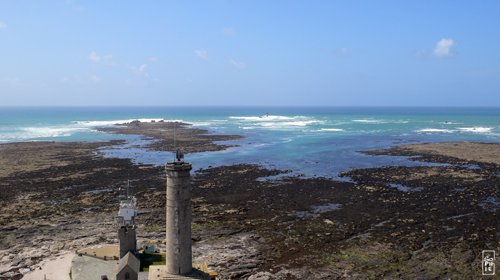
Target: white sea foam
x=25, y=133
x=265, y=118
x=331, y=129
x=287, y=124
x=274, y=122
x=200, y=123
x=39, y=132
x=476, y=129
x=338, y=123
x=434, y=130
x=376, y=121
x=371, y=121
x=34, y=132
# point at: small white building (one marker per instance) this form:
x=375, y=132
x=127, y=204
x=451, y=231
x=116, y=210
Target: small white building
x=128, y=211
x=149, y=248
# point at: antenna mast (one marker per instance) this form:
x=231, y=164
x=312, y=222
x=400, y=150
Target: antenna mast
x=175, y=142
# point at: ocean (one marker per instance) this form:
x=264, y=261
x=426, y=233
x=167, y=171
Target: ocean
x=308, y=141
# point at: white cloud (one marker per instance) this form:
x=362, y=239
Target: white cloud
x=3, y=26
x=444, y=47
x=96, y=58
x=154, y=59
x=229, y=31
x=237, y=64
x=201, y=53
x=142, y=68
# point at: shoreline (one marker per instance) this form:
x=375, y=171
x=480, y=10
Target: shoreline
x=465, y=152
x=248, y=228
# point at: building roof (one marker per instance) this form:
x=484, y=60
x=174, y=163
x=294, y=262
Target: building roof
x=129, y=260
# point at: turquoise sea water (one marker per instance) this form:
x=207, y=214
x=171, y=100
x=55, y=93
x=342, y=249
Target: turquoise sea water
x=314, y=141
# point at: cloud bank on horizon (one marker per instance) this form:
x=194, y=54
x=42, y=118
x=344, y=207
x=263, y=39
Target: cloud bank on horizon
x=253, y=53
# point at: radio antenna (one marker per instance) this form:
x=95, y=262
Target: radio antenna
x=175, y=142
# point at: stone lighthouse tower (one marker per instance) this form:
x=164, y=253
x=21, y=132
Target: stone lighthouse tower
x=178, y=255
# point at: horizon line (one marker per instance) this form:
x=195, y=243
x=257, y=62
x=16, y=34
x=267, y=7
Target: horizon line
x=252, y=106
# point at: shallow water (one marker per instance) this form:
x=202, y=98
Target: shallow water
x=318, y=209
x=404, y=188
x=309, y=141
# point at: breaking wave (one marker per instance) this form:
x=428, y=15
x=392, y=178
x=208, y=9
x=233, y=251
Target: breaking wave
x=26, y=133
x=373, y=121
x=376, y=121
x=332, y=129
x=434, y=130
x=53, y=131
x=274, y=122
x=264, y=118
x=476, y=129
x=285, y=124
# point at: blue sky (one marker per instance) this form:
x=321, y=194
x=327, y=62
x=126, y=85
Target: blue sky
x=329, y=53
